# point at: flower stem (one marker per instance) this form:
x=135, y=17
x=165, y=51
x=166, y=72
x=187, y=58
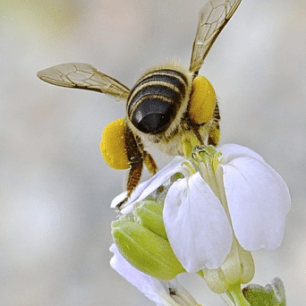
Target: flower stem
x=234, y=291
x=227, y=299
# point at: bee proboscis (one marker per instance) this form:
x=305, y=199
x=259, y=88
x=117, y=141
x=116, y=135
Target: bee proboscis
x=160, y=107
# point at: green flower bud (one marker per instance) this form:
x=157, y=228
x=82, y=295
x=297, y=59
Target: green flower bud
x=150, y=215
x=271, y=295
x=238, y=268
x=145, y=250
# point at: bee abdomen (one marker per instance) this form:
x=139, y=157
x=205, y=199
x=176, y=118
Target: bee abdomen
x=155, y=99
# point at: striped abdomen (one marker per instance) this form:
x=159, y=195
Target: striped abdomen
x=155, y=100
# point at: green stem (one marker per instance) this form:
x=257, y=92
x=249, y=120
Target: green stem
x=234, y=291
x=227, y=299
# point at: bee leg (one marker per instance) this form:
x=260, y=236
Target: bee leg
x=213, y=129
x=132, y=182
x=196, y=132
x=149, y=162
x=214, y=132
x=136, y=164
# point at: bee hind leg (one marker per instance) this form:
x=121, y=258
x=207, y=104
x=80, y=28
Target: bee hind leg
x=136, y=164
x=132, y=181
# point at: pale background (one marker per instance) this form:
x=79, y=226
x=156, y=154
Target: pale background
x=55, y=188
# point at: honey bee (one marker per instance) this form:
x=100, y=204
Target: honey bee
x=165, y=104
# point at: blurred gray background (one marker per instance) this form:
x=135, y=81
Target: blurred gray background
x=55, y=189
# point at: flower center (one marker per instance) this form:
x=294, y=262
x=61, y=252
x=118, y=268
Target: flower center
x=207, y=160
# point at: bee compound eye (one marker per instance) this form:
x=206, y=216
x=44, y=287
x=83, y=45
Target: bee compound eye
x=153, y=116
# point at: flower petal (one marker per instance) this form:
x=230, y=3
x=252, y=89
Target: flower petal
x=231, y=151
x=146, y=188
x=197, y=227
x=258, y=201
x=152, y=288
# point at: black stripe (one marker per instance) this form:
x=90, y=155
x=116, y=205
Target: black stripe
x=172, y=77
x=151, y=90
x=163, y=78
x=175, y=73
x=166, y=72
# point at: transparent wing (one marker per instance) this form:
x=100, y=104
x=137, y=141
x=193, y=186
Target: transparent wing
x=213, y=17
x=83, y=76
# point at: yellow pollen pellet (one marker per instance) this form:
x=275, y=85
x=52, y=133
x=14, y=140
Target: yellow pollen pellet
x=203, y=100
x=113, y=147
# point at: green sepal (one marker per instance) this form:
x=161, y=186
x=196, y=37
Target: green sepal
x=270, y=295
x=128, y=217
x=145, y=250
x=150, y=215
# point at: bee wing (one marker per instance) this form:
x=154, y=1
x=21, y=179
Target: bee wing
x=213, y=17
x=83, y=76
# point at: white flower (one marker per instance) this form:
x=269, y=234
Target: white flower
x=197, y=227
x=162, y=293
x=244, y=196
x=257, y=196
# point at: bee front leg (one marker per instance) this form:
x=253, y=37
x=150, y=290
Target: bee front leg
x=135, y=157
x=150, y=162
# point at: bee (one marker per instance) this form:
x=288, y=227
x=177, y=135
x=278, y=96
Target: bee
x=167, y=104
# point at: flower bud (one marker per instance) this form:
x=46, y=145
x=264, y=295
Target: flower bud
x=146, y=250
x=150, y=215
x=271, y=295
x=238, y=268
